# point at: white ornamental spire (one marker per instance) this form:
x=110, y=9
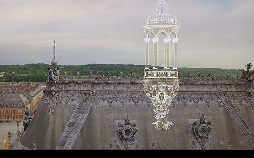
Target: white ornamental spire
x=161, y=15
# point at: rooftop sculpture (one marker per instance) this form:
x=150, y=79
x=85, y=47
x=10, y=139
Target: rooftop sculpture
x=161, y=85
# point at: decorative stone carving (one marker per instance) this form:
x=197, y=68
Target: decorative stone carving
x=161, y=92
x=53, y=73
x=126, y=133
x=162, y=16
x=201, y=130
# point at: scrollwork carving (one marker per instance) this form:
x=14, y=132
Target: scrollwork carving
x=201, y=130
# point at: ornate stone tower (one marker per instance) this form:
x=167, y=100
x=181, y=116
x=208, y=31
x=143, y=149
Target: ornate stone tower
x=53, y=69
x=161, y=84
x=53, y=78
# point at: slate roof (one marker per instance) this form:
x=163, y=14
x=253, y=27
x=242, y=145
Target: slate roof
x=13, y=99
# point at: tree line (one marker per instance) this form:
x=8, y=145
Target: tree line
x=38, y=72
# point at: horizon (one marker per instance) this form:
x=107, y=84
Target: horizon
x=213, y=34
x=119, y=64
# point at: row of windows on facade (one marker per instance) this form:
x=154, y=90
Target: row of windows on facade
x=11, y=117
x=12, y=111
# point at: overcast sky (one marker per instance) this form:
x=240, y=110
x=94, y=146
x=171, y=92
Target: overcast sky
x=213, y=33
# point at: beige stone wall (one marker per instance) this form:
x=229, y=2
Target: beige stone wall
x=35, y=102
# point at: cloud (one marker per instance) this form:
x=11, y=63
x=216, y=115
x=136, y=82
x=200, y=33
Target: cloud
x=213, y=33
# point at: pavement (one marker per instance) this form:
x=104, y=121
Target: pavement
x=5, y=127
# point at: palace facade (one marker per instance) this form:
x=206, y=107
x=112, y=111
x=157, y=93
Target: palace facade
x=16, y=97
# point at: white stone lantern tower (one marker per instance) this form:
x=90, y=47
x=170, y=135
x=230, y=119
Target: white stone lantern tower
x=161, y=84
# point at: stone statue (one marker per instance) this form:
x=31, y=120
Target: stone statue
x=153, y=146
x=247, y=74
x=53, y=73
x=78, y=74
x=18, y=121
x=34, y=145
x=248, y=66
x=18, y=134
x=9, y=135
x=27, y=119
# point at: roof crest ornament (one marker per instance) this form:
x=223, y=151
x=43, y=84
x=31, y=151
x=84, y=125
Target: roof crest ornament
x=161, y=15
x=54, y=47
x=54, y=62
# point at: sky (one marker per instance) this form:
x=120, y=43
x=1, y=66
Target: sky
x=213, y=33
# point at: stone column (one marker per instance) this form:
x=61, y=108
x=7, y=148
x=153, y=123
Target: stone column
x=167, y=49
x=155, y=46
x=175, y=40
x=147, y=52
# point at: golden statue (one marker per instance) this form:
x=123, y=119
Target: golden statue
x=5, y=145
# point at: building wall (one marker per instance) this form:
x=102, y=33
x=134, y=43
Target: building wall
x=35, y=102
x=12, y=113
x=31, y=101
